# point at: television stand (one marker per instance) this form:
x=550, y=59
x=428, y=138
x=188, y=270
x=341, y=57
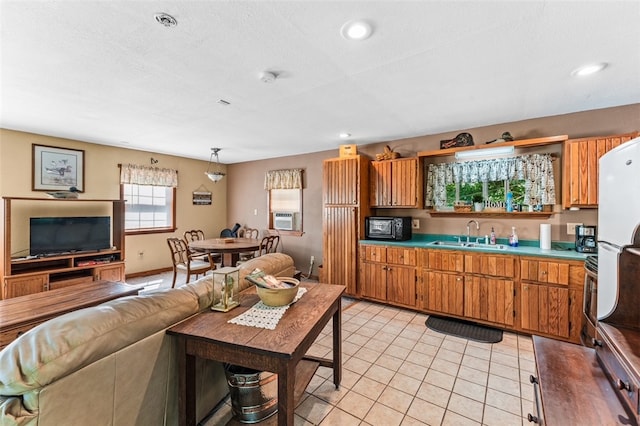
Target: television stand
x=35, y=274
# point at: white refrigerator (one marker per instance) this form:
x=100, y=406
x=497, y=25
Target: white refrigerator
x=618, y=217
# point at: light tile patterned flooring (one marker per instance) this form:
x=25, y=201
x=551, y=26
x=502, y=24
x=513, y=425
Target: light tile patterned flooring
x=398, y=372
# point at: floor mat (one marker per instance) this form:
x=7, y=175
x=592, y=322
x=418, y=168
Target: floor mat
x=465, y=329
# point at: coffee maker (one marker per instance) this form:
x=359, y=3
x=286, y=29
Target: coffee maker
x=586, y=239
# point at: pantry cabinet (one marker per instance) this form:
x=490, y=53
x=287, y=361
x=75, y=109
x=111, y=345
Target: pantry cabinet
x=550, y=297
x=388, y=274
x=345, y=205
x=395, y=183
x=580, y=168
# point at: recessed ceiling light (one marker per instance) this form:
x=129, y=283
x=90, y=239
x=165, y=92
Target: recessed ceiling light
x=268, y=77
x=344, y=135
x=356, y=30
x=589, y=69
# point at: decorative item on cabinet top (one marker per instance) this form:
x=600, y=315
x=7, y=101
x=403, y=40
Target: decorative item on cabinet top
x=462, y=139
x=387, y=154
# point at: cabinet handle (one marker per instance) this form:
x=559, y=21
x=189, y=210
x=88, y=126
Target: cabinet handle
x=532, y=418
x=624, y=386
x=533, y=379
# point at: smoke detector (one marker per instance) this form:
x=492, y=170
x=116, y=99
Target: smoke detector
x=166, y=19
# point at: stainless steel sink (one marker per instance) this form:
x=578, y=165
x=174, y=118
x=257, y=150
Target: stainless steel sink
x=468, y=245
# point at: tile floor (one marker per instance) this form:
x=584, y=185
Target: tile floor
x=398, y=372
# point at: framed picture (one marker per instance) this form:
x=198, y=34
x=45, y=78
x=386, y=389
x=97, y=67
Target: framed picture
x=57, y=169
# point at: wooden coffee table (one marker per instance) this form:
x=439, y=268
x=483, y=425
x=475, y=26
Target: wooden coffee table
x=20, y=314
x=280, y=351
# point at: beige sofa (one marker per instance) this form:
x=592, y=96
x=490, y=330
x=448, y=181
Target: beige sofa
x=113, y=364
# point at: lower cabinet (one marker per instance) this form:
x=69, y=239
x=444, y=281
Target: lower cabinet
x=551, y=297
x=442, y=292
x=489, y=299
x=388, y=274
x=109, y=273
x=22, y=286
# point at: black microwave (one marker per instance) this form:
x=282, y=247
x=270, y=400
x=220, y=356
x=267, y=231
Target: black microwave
x=387, y=228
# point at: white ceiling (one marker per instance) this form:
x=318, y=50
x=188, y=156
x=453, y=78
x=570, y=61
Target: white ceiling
x=106, y=72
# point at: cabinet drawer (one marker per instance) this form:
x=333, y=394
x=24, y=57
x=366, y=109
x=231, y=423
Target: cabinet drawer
x=441, y=260
x=488, y=264
x=401, y=256
x=550, y=272
x=11, y=334
x=374, y=253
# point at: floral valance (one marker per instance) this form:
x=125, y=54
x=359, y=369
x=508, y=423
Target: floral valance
x=143, y=175
x=535, y=169
x=283, y=179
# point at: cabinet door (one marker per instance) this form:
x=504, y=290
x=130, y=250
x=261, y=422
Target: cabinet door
x=340, y=247
x=380, y=183
x=443, y=292
x=580, y=172
x=489, y=299
x=341, y=181
x=109, y=273
x=404, y=183
x=401, y=285
x=23, y=286
x=373, y=280
x=545, y=309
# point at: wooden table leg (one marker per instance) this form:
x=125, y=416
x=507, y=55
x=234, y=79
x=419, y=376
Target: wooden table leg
x=337, y=346
x=286, y=400
x=230, y=259
x=186, y=386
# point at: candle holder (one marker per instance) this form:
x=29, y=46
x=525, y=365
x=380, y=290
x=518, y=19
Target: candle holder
x=225, y=289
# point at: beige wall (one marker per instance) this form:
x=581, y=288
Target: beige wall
x=102, y=182
x=246, y=191
x=237, y=196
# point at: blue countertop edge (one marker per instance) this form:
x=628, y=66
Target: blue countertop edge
x=559, y=249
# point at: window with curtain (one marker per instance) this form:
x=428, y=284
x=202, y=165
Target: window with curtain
x=529, y=177
x=285, y=199
x=149, y=194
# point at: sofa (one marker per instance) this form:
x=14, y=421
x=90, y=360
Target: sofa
x=113, y=364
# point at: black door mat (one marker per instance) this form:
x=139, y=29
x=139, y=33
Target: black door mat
x=465, y=329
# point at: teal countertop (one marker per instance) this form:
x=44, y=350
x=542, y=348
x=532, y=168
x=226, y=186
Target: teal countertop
x=559, y=249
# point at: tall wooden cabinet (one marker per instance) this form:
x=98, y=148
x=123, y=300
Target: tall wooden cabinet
x=20, y=276
x=580, y=171
x=395, y=183
x=345, y=203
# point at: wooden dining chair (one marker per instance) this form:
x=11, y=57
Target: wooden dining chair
x=198, y=235
x=183, y=260
x=252, y=233
x=268, y=244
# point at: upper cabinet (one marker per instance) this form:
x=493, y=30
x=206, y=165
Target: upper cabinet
x=580, y=170
x=395, y=183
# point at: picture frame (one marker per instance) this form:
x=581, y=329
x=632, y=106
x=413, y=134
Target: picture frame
x=57, y=169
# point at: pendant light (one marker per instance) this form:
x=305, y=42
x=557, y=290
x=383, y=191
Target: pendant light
x=215, y=175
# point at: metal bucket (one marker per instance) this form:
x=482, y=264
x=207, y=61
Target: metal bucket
x=254, y=394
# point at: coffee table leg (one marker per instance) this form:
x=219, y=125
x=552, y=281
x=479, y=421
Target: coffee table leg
x=286, y=400
x=186, y=386
x=337, y=346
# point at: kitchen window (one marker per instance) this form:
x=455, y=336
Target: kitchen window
x=529, y=177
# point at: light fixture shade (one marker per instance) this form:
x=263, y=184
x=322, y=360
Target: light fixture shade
x=214, y=175
x=487, y=152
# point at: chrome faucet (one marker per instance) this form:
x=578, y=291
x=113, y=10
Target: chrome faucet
x=469, y=229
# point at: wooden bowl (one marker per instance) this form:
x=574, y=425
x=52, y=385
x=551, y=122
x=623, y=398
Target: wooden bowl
x=279, y=296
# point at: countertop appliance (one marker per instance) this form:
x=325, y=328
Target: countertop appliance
x=388, y=228
x=618, y=218
x=586, y=239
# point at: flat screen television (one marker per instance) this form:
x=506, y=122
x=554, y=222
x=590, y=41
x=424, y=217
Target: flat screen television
x=56, y=235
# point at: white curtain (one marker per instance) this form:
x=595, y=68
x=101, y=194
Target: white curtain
x=143, y=175
x=283, y=179
x=535, y=169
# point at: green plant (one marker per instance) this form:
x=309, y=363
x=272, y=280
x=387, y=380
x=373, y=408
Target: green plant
x=477, y=198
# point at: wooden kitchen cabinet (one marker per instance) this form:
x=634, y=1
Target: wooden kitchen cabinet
x=345, y=205
x=580, y=168
x=395, y=183
x=550, y=297
x=388, y=274
x=489, y=287
x=441, y=281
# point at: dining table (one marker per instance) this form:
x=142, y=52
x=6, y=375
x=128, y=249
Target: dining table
x=229, y=248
